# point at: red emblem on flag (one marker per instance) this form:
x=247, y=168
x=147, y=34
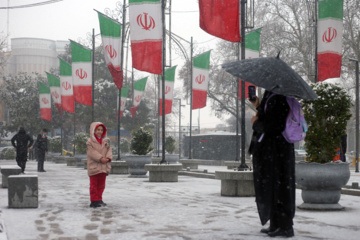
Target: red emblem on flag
x=81, y=73
x=111, y=51
x=200, y=79
x=148, y=23
x=122, y=103
x=138, y=98
x=45, y=100
x=66, y=85
x=55, y=94
x=329, y=35
x=167, y=89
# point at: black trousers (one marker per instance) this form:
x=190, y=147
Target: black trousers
x=22, y=165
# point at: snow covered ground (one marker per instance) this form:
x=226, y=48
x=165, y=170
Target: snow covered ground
x=137, y=209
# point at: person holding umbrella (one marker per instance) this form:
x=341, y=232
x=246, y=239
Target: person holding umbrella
x=274, y=165
x=273, y=155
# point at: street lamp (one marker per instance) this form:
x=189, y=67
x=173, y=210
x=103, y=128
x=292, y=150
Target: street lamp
x=179, y=99
x=357, y=114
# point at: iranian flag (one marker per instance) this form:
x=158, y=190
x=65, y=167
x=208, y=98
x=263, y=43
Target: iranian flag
x=252, y=50
x=110, y=31
x=54, y=84
x=124, y=93
x=146, y=35
x=200, y=80
x=66, y=84
x=45, y=102
x=81, y=73
x=169, y=90
x=139, y=87
x=330, y=32
x=221, y=18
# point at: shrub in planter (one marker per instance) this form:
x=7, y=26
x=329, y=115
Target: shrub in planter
x=124, y=145
x=327, y=119
x=170, y=144
x=80, y=140
x=55, y=144
x=141, y=141
x=9, y=153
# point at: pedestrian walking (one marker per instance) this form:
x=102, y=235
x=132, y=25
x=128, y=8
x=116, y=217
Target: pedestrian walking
x=41, y=149
x=274, y=165
x=99, y=155
x=21, y=142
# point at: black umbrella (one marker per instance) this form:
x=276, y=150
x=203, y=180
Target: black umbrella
x=273, y=74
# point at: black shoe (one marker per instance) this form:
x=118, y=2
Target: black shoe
x=95, y=204
x=282, y=233
x=102, y=204
x=267, y=230
x=43, y=170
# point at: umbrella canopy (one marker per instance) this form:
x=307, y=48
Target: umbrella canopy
x=273, y=74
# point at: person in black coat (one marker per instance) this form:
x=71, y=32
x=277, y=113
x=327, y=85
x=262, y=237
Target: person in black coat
x=21, y=142
x=41, y=149
x=274, y=166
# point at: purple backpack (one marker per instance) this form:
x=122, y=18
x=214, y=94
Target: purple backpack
x=296, y=126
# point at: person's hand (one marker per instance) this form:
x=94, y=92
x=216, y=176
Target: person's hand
x=255, y=103
x=104, y=160
x=253, y=119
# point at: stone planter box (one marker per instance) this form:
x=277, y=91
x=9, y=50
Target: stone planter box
x=84, y=161
x=136, y=164
x=119, y=167
x=236, y=184
x=191, y=163
x=60, y=159
x=71, y=162
x=6, y=171
x=321, y=184
x=231, y=165
x=169, y=158
x=23, y=191
x=163, y=172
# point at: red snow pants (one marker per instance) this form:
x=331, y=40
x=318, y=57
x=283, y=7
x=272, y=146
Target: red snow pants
x=97, y=186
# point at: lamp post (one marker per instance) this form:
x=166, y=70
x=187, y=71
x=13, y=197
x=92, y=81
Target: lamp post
x=356, y=114
x=179, y=99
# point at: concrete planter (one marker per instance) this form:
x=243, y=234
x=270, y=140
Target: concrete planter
x=84, y=161
x=71, y=162
x=236, y=184
x=119, y=167
x=169, y=158
x=163, y=172
x=321, y=184
x=136, y=164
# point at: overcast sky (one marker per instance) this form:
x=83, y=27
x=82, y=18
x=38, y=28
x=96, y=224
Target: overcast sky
x=74, y=19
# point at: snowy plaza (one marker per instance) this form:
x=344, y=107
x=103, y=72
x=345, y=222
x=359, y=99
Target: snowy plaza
x=191, y=208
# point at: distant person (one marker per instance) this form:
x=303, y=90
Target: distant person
x=274, y=166
x=41, y=150
x=99, y=155
x=21, y=142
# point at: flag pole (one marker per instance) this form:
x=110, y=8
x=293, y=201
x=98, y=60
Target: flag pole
x=158, y=122
x=92, y=73
x=316, y=40
x=122, y=67
x=243, y=165
x=191, y=95
x=61, y=130
x=74, y=126
x=163, y=80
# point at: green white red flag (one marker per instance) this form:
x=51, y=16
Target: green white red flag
x=139, y=88
x=81, y=73
x=252, y=50
x=54, y=84
x=124, y=93
x=110, y=31
x=45, y=102
x=169, y=90
x=66, y=87
x=200, y=80
x=221, y=18
x=330, y=32
x=146, y=35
